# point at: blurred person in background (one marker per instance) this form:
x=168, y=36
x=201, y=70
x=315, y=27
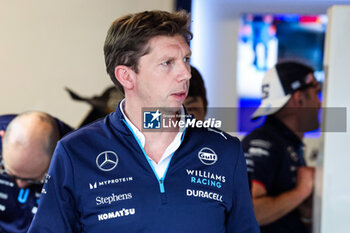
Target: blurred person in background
x=28, y=141
x=196, y=102
x=281, y=182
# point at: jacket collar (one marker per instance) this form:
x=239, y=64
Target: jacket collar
x=280, y=127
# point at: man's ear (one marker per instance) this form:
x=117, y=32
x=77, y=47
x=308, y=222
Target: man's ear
x=125, y=75
x=2, y=134
x=297, y=99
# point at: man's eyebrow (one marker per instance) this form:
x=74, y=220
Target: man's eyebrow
x=166, y=57
x=172, y=57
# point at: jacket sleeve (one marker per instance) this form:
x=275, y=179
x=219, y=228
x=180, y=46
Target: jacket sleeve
x=57, y=210
x=241, y=218
x=262, y=161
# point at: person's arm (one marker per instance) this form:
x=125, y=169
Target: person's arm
x=241, y=218
x=57, y=208
x=269, y=209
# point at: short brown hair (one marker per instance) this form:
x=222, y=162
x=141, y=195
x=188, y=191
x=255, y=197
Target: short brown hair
x=128, y=36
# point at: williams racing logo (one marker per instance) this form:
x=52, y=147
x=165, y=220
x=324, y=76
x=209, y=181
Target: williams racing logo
x=207, y=156
x=107, y=161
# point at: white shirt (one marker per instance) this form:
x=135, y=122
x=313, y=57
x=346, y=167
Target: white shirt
x=164, y=161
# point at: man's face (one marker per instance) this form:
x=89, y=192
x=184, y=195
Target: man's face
x=164, y=73
x=311, y=103
x=25, y=167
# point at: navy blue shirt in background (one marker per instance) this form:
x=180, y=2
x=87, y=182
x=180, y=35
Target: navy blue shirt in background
x=273, y=155
x=18, y=206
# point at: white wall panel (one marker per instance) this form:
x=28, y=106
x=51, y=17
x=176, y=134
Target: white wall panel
x=46, y=45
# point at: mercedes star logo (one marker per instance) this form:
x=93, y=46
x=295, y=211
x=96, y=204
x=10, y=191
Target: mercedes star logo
x=107, y=160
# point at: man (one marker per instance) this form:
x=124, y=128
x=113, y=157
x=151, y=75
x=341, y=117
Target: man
x=25, y=154
x=280, y=180
x=111, y=177
x=196, y=101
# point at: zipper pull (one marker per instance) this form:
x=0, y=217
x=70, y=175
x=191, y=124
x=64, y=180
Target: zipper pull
x=161, y=185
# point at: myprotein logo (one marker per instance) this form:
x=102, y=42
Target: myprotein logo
x=93, y=186
x=97, y=184
x=107, y=160
x=207, y=156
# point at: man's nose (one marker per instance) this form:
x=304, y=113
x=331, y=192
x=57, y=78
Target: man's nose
x=185, y=72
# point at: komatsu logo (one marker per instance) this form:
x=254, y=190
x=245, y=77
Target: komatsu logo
x=207, y=156
x=116, y=214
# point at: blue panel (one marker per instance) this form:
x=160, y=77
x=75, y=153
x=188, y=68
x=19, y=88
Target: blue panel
x=247, y=106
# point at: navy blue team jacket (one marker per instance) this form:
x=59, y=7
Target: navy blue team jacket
x=274, y=153
x=100, y=180
x=18, y=206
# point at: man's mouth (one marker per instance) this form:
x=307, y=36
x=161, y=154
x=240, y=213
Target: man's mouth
x=181, y=95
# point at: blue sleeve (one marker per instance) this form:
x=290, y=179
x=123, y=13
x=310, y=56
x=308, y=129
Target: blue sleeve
x=241, y=218
x=57, y=208
x=5, y=120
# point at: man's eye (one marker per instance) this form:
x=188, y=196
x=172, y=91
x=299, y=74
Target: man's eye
x=186, y=59
x=166, y=63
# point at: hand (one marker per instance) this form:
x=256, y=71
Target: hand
x=305, y=181
x=305, y=210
